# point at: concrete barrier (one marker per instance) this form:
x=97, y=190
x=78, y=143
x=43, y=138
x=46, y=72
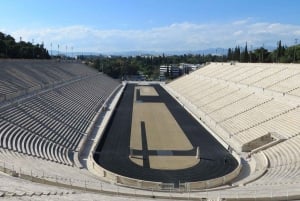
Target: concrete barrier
x=200, y=185
x=89, y=130
x=34, y=89
x=14, y=95
x=125, y=181
x=261, y=167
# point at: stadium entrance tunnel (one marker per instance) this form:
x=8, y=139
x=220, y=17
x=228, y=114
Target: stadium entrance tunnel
x=152, y=138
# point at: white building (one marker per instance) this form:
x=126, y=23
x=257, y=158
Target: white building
x=169, y=71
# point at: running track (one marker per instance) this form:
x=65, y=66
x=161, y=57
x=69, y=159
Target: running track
x=113, y=150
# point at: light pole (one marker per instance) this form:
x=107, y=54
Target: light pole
x=250, y=53
x=51, y=49
x=72, y=51
x=262, y=53
x=33, y=48
x=296, y=41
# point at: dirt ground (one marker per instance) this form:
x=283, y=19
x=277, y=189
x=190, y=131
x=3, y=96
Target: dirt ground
x=162, y=133
x=147, y=91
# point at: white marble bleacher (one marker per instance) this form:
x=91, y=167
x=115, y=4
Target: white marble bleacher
x=33, y=126
x=251, y=71
x=71, y=176
x=284, y=164
x=287, y=125
x=56, y=98
x=37, y=106
x=20, y=188
x=37, y=146
x=6, y=88
x=271, y=77
x=286, y=85
x=240, y=73
x=258, y=77
x=249, y=102
x=213, y=70
x=20, y=75
x=237, y=72
x=55, y=172
x=51, y=124
x=216, y=95
x=55, y=125
x=89, y=91
x=230, y=99
x=188, y=82
x=206, y=86
x=276, y=78
x=247, y=113
x=255, y=116
x=200, y=84
x=295, y=91
x=207, y=94
x=226, y=73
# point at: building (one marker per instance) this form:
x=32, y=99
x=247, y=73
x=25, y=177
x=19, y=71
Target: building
x=169, y=71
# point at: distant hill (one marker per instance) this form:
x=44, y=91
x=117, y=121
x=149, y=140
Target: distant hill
x=9, y=48
x=212, y=51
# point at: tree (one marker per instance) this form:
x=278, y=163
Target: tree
x=229, y=54
x=9, y=48
x=3, y=48
x=245, y=54
x=237, y=54
x=262, y=55
x=279, y=52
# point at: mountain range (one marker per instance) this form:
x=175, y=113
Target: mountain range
x=213, y=51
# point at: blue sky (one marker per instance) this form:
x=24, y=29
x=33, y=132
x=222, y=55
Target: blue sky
x=151, y=25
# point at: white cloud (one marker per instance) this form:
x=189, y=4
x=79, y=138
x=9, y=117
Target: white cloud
x=241, y=22
x=238, y=33
x=177, y=36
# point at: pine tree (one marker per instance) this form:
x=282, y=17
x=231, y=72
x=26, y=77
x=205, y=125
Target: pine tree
x=246, y=54
x=229, y=54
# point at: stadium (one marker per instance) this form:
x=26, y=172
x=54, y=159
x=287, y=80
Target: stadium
x=227, y=131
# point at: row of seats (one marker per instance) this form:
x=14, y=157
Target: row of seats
x=248, y=114
x=21, y=188
x=20, y=75
x=286, y=125
x=55, y=172
x=284, y=165
x=51, y=124
x=278, y=77
x=244, y=113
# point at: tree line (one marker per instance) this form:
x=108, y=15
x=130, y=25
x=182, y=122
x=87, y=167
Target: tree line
x=9, y=48
x=119, y=66
x=148, y=65
x=282, y=54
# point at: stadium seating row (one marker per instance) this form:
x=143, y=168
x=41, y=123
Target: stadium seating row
x=18, y=76
x=245, y=113
x=278, y=77
x=51, y=124
x=284, y=164
x=236, y=98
